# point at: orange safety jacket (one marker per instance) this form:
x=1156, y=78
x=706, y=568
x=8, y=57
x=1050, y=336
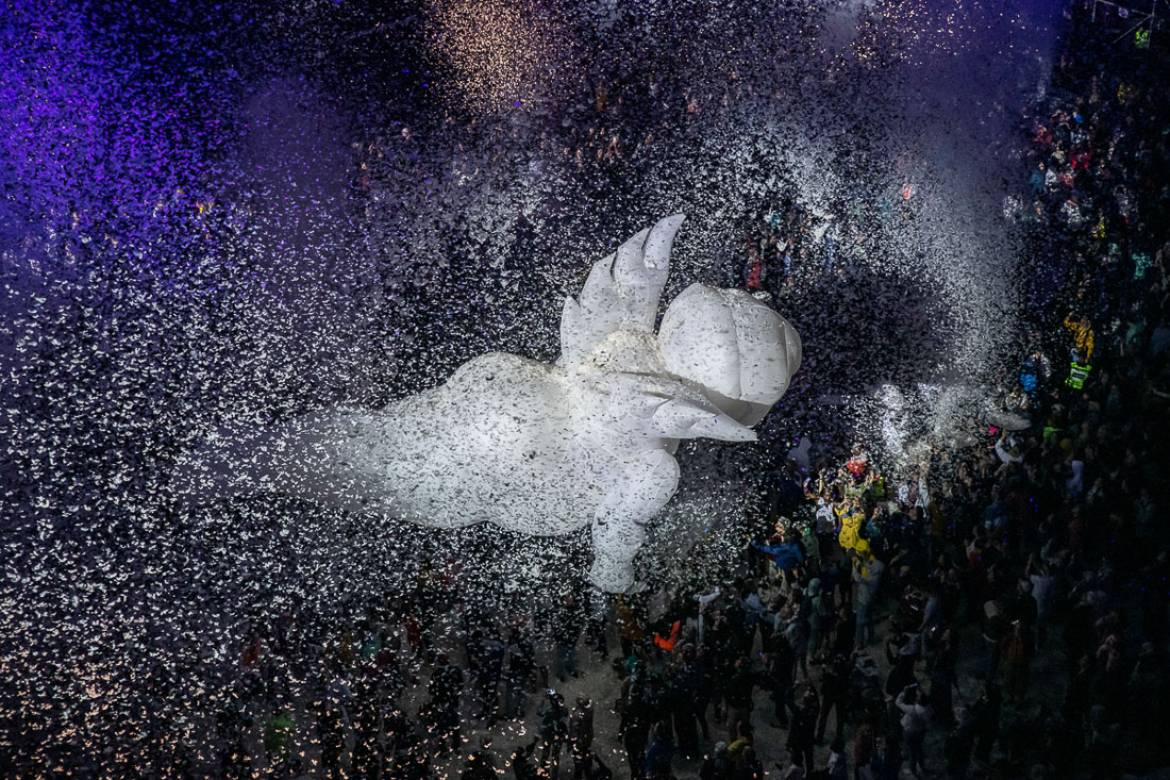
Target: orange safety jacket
x=667, y=644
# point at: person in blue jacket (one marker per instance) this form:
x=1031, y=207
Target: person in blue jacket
x=785, y=555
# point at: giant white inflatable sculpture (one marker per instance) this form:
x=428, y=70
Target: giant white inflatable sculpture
x=546, y=449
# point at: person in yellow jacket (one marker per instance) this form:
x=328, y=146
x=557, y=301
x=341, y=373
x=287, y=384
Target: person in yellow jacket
x=851, y=517
x=1084, y=340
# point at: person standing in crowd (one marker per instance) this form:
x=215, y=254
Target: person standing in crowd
x=629, y=625
x=834, y=695
x=519, y=663
x=986, y=714
x=1017, y=655
x=943, y=680
x=553, y=731
x=802, y=733
x=738, y=694
x=1043, y=593
x=796, y=631
x=867, y=577
x=820, y=614
x=915, y=717
x=781, y=677
x=684, y=693
x=488, y=653
x=567, y=632
x=844, y=631
x=636, y=712
x=659, y=754
x=445, y=688
x=581, y=738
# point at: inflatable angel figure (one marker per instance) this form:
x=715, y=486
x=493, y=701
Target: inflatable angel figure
x=547, y=449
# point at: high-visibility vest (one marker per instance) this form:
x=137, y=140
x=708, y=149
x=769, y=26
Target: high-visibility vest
x=1078, y=373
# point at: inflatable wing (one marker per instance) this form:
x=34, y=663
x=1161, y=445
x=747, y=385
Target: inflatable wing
x=621, y=293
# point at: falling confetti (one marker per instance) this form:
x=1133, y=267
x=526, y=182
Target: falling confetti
x=215, y=218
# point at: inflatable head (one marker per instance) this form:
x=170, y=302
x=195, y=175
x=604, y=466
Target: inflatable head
x=735, y=348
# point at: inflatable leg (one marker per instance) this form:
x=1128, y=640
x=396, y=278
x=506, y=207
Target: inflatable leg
x=641, y=488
